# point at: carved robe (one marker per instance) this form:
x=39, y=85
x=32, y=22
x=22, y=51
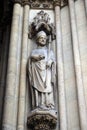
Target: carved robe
x=40, y=76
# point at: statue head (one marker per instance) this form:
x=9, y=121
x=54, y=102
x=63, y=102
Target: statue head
x=41, y=38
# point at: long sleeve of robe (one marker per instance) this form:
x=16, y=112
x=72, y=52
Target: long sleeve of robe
x=41, y=77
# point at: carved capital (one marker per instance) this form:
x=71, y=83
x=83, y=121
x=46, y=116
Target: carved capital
x=64, y=3
x=22, y=2
x=25, y=2
x=18, y=1
x=57, y=3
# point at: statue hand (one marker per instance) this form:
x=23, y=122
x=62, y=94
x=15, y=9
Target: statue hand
x=37, y=57
x=41, y=57
x=49, y=63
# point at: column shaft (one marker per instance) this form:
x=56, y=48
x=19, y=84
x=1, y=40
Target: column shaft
x=11, y=96
x=78, y=71
x=60, y=71
x=22, y=92
x=86, y=6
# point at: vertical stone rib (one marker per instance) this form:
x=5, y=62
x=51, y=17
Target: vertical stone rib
x=19, y=51
x=22, y=91
x=78, y=71
x=11, y=97
x=60, y=72
x=85, y=6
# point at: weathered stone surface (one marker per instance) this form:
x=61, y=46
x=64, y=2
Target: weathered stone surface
x=60, y=71
x=11, y=96
x=41, y=72
x=78, y=68
x=68, y=64
x=69, y=73
x=22, y=90
x=82, y=36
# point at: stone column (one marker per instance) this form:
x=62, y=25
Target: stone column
x=60, y=71
x=78, y=71
x=85, y=6
x=22, y=91
x=11, y=96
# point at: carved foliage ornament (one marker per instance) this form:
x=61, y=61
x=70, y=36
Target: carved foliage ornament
x=46, y=4
x=41, y=121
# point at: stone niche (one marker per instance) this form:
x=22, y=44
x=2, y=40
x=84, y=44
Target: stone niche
x=42, y=117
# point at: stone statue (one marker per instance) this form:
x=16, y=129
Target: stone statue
x=41, y=74
x=41, y=64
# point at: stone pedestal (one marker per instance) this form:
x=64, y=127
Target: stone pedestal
x=42, y=120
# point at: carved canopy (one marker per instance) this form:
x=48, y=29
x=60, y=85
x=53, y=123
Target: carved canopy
x=42, y=22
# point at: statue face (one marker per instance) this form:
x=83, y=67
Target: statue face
x=41, y=40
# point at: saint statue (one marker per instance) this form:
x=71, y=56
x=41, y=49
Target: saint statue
x=42, y=74
x=40, y=67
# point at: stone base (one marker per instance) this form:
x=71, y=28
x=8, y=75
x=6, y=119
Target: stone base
x=42, y=120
